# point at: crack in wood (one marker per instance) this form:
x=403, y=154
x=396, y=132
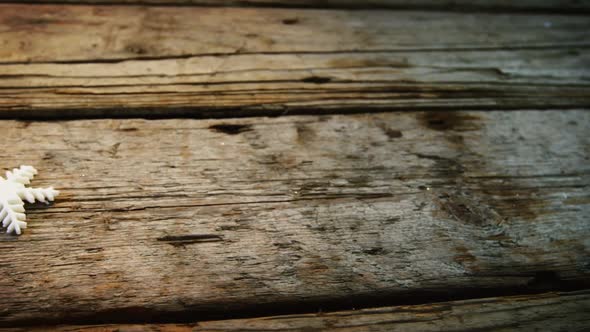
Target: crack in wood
x=563, y=46
x=180, y=240
x=231, y=129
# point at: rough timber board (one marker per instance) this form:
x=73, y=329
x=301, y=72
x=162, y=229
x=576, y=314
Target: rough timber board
x=124, y=61
x=285, y=83
x=169, y=216
x=49, y=33
x=545, y=312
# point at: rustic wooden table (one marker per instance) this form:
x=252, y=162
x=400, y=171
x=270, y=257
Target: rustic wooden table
x=279, y=165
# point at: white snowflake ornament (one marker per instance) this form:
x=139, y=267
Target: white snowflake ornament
x=12, y=193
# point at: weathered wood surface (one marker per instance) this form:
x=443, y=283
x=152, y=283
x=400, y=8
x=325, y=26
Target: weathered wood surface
x=50, y=33
x=552, y=6
x=281, y=84
x=74, y=61
x=191, y=216
x=545, y=312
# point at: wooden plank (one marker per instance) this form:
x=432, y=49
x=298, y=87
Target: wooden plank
x=287, y=83
x=544, y=312
x=80, y=61
x=50, y=33
x=191, y=216
x=551, y=6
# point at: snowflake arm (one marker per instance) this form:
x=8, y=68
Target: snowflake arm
x=12, y=193
x=12, y=214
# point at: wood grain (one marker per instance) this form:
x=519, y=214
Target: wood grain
x=286, y=84
x=118, y=61
x=65, y=33
x=166, y=217
x=545, y=312
x=551, y=6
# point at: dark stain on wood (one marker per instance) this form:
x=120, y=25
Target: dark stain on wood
x=392, y=133
x=360, y=181
x=48, y=156
x=389, y=132
x=505, y=200
x=449, y=168
x=180, y=240
x=311, y=268
x=457, y=140
x=230, y=129
x=375, y=251
x=502, y=203
x=463, y=256
x=113, y=150
x=128, y=129
x=305, y=134
x=449, y=120
x=316, y=79
x=392, y=220
x=24, y=124
x=136, y=49
x=511, y=199
x=462, y=207
x=291, y=21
